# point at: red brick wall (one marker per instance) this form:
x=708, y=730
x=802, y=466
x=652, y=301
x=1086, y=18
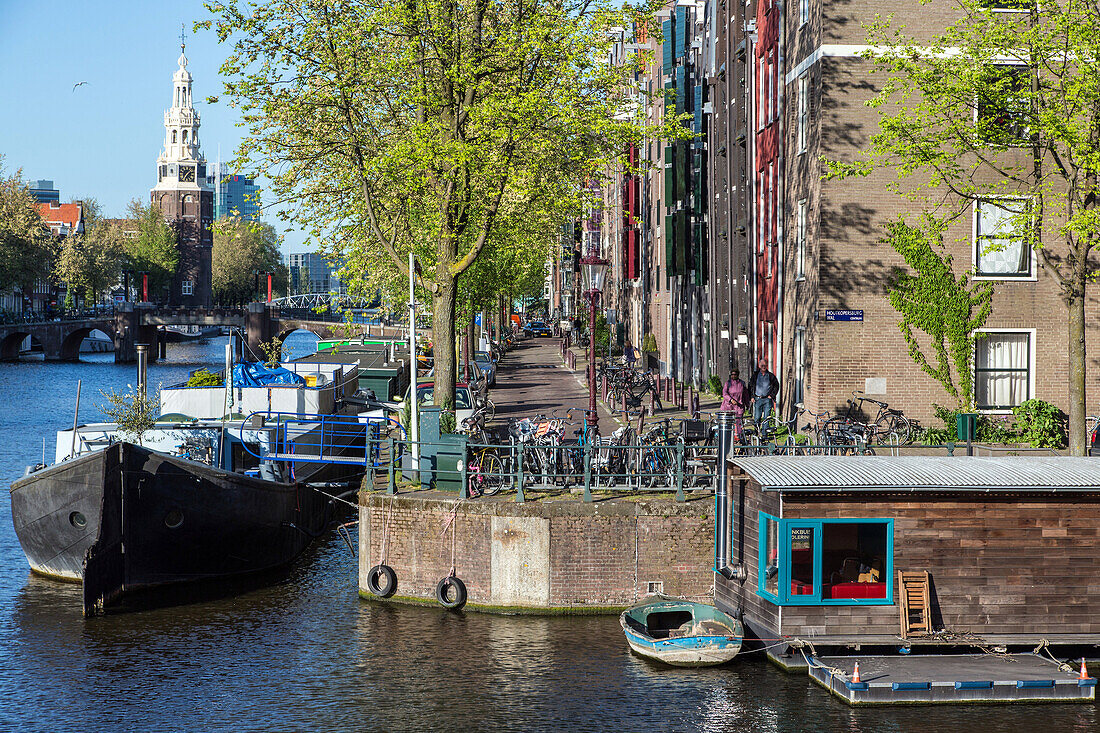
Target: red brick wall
x=599, y=555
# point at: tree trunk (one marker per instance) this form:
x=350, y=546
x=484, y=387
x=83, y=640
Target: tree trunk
x=443, y=342
x=1076, y=309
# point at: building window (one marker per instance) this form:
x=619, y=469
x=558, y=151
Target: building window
x=800, y=241
x=800, y=365
x=773, y=89
x=188, y=287
x=1003, y=106
x=185, y=137
x=803, y=111
x=826, y=561
x=173, y=137
x=803, y=12
x=1003, y=369
x=1000, y=244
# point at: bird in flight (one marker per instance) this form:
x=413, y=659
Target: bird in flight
x=79, y=84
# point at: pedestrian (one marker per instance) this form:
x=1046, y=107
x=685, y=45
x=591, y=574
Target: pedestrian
x=630, y=354
x=763, y=388
x=735, y=399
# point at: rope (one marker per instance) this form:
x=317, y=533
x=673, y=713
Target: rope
x=450, y=521
x=1044, y=646
x=385, y=533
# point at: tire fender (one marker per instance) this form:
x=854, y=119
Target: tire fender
x=456, y=587
x=382, y=581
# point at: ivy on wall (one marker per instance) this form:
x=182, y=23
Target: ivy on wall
x=948, y=309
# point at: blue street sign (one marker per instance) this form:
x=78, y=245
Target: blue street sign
x=843, y=315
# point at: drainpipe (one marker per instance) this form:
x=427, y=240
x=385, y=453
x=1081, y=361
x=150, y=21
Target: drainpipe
x=722, y=514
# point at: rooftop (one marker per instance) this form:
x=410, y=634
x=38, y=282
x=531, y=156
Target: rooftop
x=918, y=473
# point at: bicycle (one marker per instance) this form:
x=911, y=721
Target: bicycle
x=485, y=470
x=887, y=421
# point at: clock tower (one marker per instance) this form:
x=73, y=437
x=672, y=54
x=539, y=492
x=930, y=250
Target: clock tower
x=183, y=195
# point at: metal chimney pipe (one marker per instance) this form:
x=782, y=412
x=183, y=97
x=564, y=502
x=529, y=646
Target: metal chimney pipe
x=722, y=562
x=142, y=367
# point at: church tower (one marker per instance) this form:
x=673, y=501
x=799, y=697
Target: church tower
x=183, y=195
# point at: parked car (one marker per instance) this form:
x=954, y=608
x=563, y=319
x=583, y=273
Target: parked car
x=425, y=393
x=475, y=376
x=485, y=360
x=536, y=328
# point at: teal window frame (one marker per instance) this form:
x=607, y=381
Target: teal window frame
x=785, y=597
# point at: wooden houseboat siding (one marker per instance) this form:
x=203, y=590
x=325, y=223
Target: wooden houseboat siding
x=1004, y=565
x=734, y=596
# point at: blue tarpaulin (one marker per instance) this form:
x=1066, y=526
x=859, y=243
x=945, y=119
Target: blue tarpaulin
x=260, y=375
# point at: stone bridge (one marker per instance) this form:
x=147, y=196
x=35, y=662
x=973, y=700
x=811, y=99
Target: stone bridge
x=137, y=323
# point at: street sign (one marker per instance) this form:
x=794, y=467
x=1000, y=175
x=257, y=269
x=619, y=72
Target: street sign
x=843, y=315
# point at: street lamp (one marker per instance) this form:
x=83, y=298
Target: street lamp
x=593, y=272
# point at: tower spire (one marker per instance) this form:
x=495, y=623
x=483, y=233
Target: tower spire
x=183, y=42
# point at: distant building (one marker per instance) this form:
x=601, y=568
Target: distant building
x=183, y=195
x=314, y=273
x=62, y=219
x=43, y=191
x=235, y=194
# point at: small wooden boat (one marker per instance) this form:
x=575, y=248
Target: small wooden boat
x=682, y=633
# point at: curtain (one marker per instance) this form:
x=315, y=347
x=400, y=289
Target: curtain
x=1001, y=249
x=1001, y=373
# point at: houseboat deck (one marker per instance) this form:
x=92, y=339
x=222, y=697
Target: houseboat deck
x=950, y=678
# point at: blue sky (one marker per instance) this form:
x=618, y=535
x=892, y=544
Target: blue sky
x=102, y=139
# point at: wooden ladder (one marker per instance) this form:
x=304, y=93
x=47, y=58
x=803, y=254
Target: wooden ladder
x=916, y=613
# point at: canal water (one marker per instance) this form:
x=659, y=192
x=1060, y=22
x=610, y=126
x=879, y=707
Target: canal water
x=308, y=655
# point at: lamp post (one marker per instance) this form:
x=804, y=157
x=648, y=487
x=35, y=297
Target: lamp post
x=593, y=270
x=413, y=426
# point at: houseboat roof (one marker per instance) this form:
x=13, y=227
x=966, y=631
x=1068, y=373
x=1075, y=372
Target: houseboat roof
x=921, y=473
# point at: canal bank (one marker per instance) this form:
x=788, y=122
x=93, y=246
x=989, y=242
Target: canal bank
x=560, y=556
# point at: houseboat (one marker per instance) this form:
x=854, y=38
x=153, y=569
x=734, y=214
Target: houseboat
x=850, y=553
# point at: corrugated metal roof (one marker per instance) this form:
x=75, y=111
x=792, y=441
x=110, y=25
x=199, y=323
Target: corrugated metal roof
x=906, y=473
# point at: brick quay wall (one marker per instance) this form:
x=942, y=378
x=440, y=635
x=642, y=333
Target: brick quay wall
x=539, y=557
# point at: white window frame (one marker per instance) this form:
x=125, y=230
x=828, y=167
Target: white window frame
x=803, y=112
x=800, y=240
x=1032, y=274
x=803, y=12
x=187, y=287
x=1030, y=366
x=800, y=365
x=1024, y=141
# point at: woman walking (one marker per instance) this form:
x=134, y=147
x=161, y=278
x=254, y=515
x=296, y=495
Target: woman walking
x=735, y=399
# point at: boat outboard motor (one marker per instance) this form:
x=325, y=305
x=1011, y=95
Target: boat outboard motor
x=726, y=424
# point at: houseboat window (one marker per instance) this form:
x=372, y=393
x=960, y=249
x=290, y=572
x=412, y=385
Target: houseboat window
x=769, y=565
x=802, y=561
x=853, y=558
x=826, y=561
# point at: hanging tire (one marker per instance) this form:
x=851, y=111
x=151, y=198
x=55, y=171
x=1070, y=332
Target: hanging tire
x=382, y=581
x=451, y=593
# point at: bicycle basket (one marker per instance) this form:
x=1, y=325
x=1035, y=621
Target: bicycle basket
x=693, y=431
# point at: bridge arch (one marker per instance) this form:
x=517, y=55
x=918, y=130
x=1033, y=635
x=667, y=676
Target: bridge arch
x=71, y=341
x=319, y=330
x=10, y=343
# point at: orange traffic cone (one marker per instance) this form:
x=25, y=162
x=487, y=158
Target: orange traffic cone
x=855, y=673
x=1084, y=672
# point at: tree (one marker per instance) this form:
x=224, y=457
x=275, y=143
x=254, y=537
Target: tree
x=241, y=249
x=1003, y=104
x=154, y=250
x=428, y=126
x=91, y=262
x=26, y=248
x=947, y=309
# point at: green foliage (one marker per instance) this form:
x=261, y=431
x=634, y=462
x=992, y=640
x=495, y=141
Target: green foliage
x=453, y=131
x=91, y=263
x=204, y=378
x=1041, y=424
x=134, y=413
x=241, y=249
x=1035, y=422
x=154, y=250
x=947, y=309
x=649, y=344
x=272, y=351
x=26, y=248
x=447, y=421
x=714, y=384
x=603, y=334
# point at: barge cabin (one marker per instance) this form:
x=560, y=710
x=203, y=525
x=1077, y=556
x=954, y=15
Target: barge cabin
x=998, y=551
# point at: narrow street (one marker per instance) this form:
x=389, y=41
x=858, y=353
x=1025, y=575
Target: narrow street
x=532, y=380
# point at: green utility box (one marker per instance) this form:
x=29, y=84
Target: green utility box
x=966, y=426
x=448, y=455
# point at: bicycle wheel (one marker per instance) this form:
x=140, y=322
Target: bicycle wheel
x=492, y=474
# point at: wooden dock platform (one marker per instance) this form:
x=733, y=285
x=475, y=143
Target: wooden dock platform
x=949, y=678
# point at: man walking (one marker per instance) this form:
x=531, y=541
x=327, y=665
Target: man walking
x=764, y=387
